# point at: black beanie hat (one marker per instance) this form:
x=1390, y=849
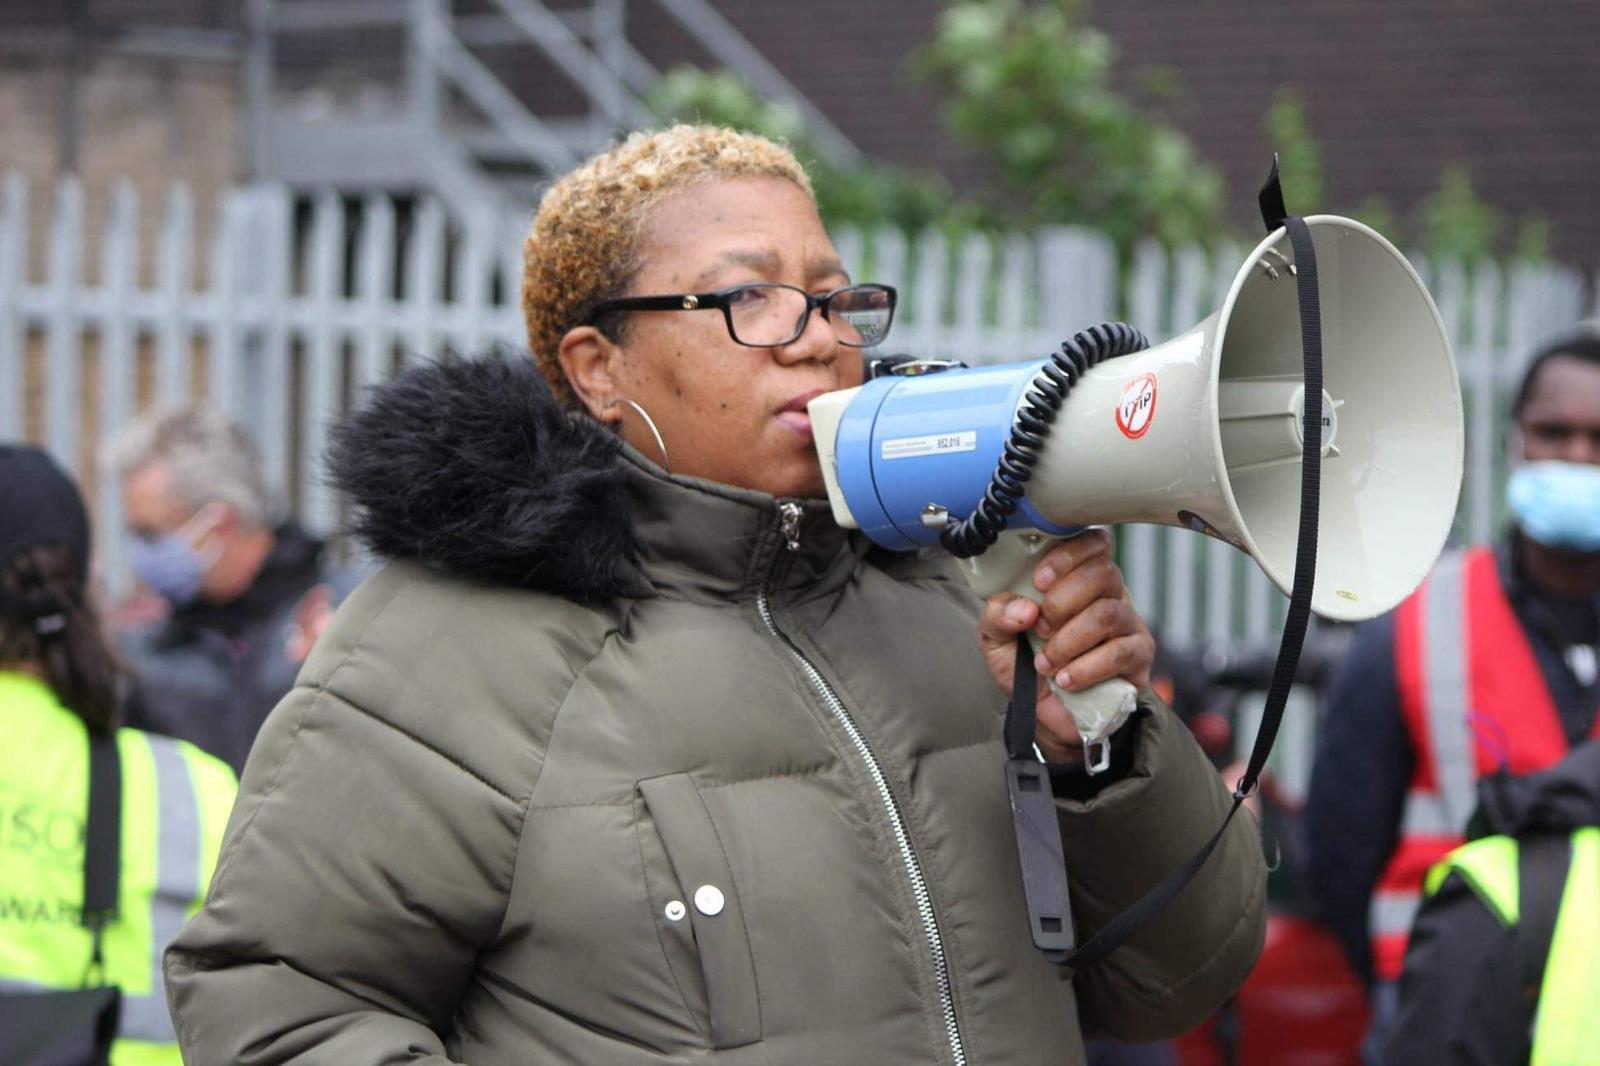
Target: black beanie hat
x=39, y=504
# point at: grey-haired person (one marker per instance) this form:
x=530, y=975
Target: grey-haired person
x=246, y=590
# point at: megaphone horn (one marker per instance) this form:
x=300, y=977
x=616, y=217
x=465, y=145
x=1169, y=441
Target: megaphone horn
x=1202, y=431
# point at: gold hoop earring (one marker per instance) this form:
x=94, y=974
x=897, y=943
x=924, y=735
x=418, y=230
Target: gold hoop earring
x=651, y=424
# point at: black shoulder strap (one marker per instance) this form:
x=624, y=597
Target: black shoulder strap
x=1033, y=820
x=1113, y=933
x=1542, y=861
x=102, y=844
x=1270, y=199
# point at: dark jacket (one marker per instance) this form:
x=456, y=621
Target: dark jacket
x=1364, y=759
x=210, y=673
x=1463, y=995
x=623, y=768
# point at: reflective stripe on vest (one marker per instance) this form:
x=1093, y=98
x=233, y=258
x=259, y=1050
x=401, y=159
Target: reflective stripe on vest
x=1428, y=814
x=1391, y=913
x=1447, y=694
x=1566, y=1028
x=1433, y=819
x=177, y=887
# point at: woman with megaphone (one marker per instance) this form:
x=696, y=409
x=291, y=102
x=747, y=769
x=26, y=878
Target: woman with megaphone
x=632, y=755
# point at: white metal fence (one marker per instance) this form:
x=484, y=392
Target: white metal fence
x=294, y=307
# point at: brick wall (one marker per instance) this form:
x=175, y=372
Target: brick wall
x=1395, y=91
x=153, y=121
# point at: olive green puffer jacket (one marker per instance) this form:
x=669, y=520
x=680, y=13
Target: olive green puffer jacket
x=732, y=794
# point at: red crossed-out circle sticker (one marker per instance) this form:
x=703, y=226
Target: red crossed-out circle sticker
x=1137, y=408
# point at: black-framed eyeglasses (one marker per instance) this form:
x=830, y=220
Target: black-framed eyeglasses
x=770, y=315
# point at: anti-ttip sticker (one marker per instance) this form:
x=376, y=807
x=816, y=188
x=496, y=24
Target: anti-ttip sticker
x=1137, y=408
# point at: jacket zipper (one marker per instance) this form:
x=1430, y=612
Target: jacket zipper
x=789, y=513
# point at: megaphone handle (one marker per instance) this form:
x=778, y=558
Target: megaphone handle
x=1097, y=710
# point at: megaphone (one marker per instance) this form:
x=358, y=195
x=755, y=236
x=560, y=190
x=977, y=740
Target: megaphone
x=1202, y=432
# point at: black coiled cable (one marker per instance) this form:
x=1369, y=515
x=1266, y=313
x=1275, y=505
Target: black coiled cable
x=974, y=534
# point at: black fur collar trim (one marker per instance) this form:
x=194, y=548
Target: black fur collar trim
x=473, y=468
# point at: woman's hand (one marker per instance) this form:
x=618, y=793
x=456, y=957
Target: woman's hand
x=1090, y=631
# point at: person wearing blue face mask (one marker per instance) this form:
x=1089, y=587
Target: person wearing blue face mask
x=246, y=591
x=170, y=564
x=1557, y=504
x=1490, y=666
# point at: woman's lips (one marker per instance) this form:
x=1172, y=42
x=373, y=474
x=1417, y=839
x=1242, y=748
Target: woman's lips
x=799, y=421
x=794, y=415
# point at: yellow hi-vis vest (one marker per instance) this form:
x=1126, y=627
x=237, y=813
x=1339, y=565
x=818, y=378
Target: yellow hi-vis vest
x=175, y=804
x=1566, y=1027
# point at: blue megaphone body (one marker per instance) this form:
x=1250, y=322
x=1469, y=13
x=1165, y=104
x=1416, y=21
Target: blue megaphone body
x=905, y=442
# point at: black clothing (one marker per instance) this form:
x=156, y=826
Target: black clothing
x=1463, y=965
x=210, y=673
x=1462, y=995
x=39, y=504
x=1555, y=626
x=1364, y=758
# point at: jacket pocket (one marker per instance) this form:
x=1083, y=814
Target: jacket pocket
x=708, y=933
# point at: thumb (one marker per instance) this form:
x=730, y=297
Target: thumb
x=1005, y=614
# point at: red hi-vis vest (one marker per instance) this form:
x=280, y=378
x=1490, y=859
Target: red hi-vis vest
x=1473, y=697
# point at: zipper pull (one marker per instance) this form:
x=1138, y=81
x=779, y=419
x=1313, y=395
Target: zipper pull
x=789, y=513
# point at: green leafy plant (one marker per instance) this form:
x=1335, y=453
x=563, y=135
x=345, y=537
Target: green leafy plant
x=1376, y=212
x=1457, y=223
x=1027, y=85
x=1453, y=222
x=1532, y=242
x=1288, y=130
x=867, y=194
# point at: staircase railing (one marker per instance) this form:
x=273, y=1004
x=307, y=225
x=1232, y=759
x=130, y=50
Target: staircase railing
x=723, y=40
x=441, y=48
x=588, y=46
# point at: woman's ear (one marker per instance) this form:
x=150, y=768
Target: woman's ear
x=591, y=362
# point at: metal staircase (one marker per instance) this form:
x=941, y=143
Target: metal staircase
x=473, y=100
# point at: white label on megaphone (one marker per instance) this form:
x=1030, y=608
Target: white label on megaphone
x=936, y=444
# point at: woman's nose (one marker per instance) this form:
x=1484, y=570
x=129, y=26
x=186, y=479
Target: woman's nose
x=817, y=342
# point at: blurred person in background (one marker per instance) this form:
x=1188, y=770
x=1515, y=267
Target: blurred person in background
x=1503, y=965
x=1491, y=664
x=247, y=591
x=60, y=685
x=633, y=756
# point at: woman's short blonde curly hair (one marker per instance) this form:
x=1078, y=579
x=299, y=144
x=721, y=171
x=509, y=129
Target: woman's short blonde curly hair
x=583, y=247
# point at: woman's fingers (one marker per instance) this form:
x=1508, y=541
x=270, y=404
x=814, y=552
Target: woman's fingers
x=1089, y=628
x=1005, y=617
x=1069, y=555
x=1127, y=657
x=1096, y=578
x=1105, y=639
